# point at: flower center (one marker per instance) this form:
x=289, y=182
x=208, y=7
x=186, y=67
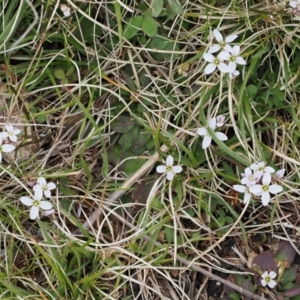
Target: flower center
x=216, y=61
x=222, y=44
x=265, y=188
x=251, y=177
x=44, y=188
x=36, y=202
x=232, y=58
x=268, y=279
x=169, y=168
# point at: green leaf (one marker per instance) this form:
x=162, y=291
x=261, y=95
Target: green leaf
x=123, y=124
x=169, y=233
x=132, y=27
x=70, y=71
x=251, y=89
x=175, y=6
x=59, y=74
x=157, y=7
x=149, y=26
x=131, y=166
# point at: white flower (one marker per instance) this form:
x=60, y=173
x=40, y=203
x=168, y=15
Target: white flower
x=214, y=62
x=279, y=174
x=10, y=133
x=249, y=178
x=220, y=120
x=66, y=10
x=260, y=169
x=206, y=136
x=35, y=204
x=5, y=148
x=44, y=187
x=169, y=168
x=233, y=57
x=268, y=279
x=234, y=74
x=265, y=189
x=243, y=189
x=222, y=44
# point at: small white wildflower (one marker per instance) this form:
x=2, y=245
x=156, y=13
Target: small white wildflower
x=234, y=74
x=233, y=57
x=268, y=279
x=207, y=137
x=265, y=189
x=5, y=148
x=220, y=120
x=169, y=168
x=249, y=178
x=279, y=174
x=214, y=62
x=36, y=204
x=260, y=168
x=66, y=10
x=44, y=187
x=10, y=133
x=222, y=44
x=243, y=189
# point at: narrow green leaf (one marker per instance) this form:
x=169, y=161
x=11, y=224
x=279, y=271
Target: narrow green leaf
x=132, y=27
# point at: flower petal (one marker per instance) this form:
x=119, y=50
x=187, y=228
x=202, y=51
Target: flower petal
x=240, y=188
x=221, y=136
x=209, y=57
x=27, y=201
x=247, y=197
x=235, y=50
x=13, y=138
x=230, y=38
x=269, y=170
x=47, y=193
x=272, y=274
x=265, y=198
x=212, y=123
x=161, y=169
x=266, y=180
x=8, y=148
x=209, y=68
x=224, y=55
x=263, y=282
x=214, y=48
x=170, y=175
x=223, y=67
x=169, y=161
x=231, y=66
x=38, y=194
x=51, y=186
x=272, y=284
x=41, y=181
x=177, y=169
x=45, y=205
x=275, y=189
x=202, y=131
x=218, y=35
x=206, y=141
x=34, y=212
x=255, y=189
x=239, y=60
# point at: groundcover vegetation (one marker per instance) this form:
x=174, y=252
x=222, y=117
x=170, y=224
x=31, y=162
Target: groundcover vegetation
x=149, y=149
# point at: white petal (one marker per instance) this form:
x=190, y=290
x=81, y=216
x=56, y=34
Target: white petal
x=231, y=66
x=279, y=174
x=218, y=35
x=248, y=172
x=206, y=141
x=224, y=55
x=272, y=284
x=235, y=50
x=266, y=179
x=254, y=167
x=275, y=189
x=8, y=148
x=17, y=131
x=38, y=194
x=37, y=187
x=202, y=131
x=48, y=212
x=293, y=4
x=247, y=197
x=263, y=282
x=47, y=193
x=0, y=156
x=239, y=60
x=269, y=170
x=3, y=135
x=41, y=181
x=255, y=189
x=51, y=186
x=170, y=175
x=177, y=169
x=221, y=136
x=9, y=128
x=169, y=161
x=265, y=274
x=34, y=212
x=161, y=169
x=223, y=67
x=265, y=198
x=230, y=38
x=214, y=48
x=209, y=68
x=272, y=274
x=45, y=205
x=240, y=188
x=27, y=201
x=13, y=138
x=209, y=57
x=212, y=123
x=227, y=48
